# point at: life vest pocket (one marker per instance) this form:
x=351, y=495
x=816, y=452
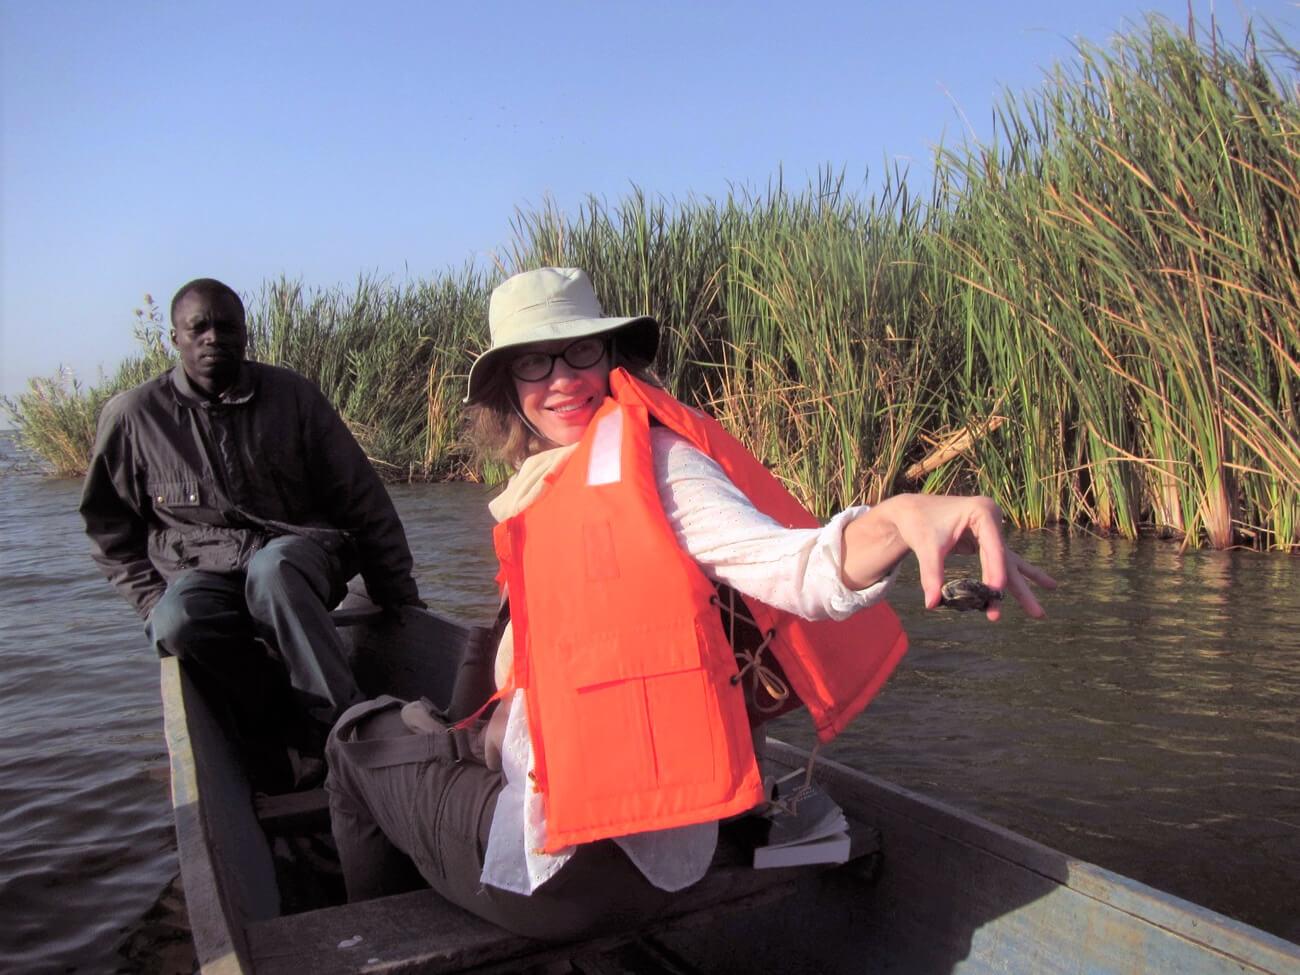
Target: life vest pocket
x=608, y=747
x=643, y=730
x=680, y=708
x=644, y=733
x=633, y=651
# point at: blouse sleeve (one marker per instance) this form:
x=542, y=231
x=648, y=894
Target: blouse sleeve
x=792, y=569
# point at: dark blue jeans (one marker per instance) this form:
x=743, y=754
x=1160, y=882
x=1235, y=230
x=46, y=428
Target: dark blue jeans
x=213, y=620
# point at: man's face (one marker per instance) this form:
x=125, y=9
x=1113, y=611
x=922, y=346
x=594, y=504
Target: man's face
x=208, y=332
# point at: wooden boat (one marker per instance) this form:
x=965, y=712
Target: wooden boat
x=931, y=889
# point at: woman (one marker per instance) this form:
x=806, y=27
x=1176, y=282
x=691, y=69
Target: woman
x=622, y=731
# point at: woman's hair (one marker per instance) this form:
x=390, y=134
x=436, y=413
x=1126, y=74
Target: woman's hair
x=496, y=429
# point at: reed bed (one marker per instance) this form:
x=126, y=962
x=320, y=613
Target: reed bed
x=1094, y=318
x=1129, y=241
x=391, y=357
x=56, y=417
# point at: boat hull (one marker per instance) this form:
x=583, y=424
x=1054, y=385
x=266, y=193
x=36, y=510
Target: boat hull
x=952, y=892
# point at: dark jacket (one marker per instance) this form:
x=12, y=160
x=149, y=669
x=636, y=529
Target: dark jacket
x=178, y=483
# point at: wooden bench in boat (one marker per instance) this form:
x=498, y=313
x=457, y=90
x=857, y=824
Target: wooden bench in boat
x=293, y=813
x=421, y=932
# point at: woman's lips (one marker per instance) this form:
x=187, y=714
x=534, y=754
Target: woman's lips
x=570, y=408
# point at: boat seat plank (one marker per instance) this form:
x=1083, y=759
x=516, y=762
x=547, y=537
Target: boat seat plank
x=394, y=933
x=355, y=615
x=293, y=812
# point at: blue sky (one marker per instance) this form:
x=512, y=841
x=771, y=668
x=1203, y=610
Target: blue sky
x=146, y=143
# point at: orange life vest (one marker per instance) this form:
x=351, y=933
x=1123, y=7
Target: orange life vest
x=619, y=649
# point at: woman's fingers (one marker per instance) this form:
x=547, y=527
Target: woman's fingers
x=1019, y=590
x=935, y=526
x=930, y=562
x=986, y=526
x=1018, y=578
x=1034, y=574
x=1001, y=568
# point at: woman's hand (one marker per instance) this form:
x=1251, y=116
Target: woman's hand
x=934, y=526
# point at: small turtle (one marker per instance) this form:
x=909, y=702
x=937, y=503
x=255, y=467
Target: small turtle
x=964, y=594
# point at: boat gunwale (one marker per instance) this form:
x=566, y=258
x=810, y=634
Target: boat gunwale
x=220, y=947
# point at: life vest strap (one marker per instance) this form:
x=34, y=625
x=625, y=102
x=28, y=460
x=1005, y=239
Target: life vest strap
x=468, y=722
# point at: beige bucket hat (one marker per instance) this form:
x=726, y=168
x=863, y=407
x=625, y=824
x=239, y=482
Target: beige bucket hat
x=553, y=303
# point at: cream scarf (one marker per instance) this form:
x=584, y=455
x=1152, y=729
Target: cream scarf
x=522, y=489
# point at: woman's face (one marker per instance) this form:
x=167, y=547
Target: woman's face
x=561, y=403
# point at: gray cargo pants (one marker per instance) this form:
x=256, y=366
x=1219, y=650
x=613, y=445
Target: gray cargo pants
x=408, y=808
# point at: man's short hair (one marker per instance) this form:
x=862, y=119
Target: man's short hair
x=208, y=288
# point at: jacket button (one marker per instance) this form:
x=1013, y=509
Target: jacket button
x=194, y=497
x=161, y=499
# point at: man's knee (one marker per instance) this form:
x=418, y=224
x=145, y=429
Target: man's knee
x=282, y=568
x=170, y=626
x=189, y=617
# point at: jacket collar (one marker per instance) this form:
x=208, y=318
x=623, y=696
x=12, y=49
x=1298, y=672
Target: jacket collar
x=187, y=395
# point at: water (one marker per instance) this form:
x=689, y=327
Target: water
x=1148, y=726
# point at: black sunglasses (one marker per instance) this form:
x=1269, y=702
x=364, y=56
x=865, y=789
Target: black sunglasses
x=579, y=354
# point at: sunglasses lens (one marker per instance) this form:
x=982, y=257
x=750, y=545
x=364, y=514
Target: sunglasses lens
x=532, y=367
x=584, y=353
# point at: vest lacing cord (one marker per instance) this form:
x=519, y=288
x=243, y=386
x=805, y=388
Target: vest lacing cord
x=752, y=663
x=776, y=688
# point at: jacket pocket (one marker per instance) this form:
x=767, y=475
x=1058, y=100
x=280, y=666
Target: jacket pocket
x=173, y=495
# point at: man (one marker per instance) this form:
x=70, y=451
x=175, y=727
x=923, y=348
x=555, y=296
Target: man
x=228, y=502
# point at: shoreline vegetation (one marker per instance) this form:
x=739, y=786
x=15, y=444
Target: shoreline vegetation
x=1094, y=318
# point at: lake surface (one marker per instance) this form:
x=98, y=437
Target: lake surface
x=1149, y=725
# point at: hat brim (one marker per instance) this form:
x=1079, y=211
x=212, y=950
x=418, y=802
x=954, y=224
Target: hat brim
x=638, y=342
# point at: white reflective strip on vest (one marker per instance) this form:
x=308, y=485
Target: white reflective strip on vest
x=605, y=466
